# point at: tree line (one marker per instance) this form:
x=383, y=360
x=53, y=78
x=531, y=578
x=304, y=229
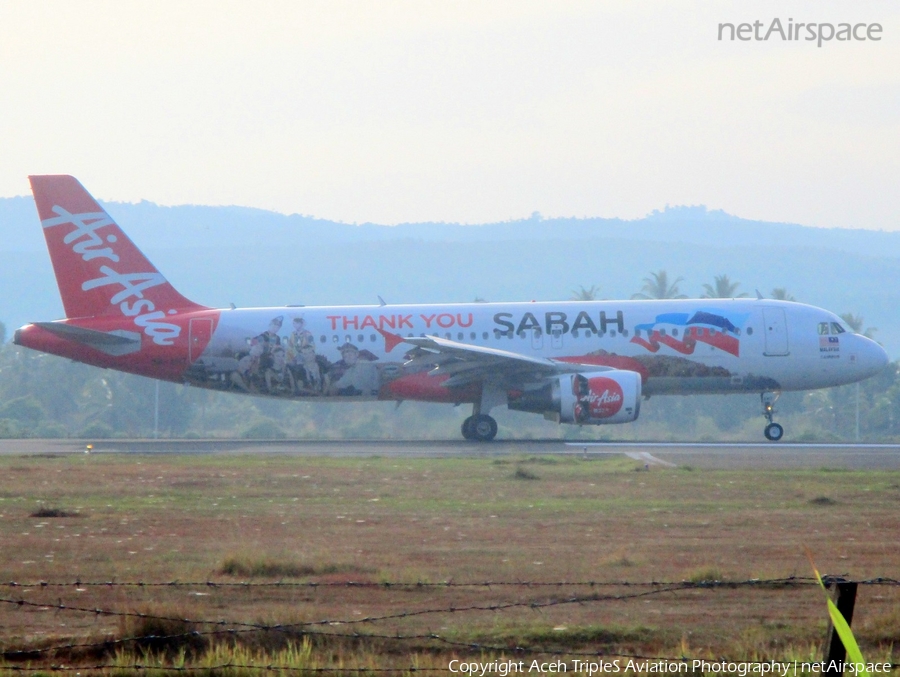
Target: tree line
x=658, y=286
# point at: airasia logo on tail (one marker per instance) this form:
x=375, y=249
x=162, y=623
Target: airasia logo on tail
x=604, y=397
x=128, y=287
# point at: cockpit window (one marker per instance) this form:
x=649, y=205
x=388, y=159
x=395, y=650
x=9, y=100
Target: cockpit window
x=826, y=328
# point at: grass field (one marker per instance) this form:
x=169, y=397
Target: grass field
x=232, y=518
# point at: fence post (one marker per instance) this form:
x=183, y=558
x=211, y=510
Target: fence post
x=844, y=596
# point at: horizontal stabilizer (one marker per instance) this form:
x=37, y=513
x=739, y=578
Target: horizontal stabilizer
x=117, y=342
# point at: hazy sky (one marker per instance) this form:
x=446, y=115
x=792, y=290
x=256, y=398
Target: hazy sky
x=456, y=111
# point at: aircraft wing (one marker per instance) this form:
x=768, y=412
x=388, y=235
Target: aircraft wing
x=465, y=363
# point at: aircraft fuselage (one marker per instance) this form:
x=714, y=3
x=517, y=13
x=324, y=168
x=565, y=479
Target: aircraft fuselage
x=677, y=346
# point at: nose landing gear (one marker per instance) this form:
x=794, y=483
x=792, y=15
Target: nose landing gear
x=773, y=431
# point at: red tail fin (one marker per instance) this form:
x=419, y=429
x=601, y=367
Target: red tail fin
x=98, y=269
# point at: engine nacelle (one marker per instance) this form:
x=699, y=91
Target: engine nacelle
x=592, y=398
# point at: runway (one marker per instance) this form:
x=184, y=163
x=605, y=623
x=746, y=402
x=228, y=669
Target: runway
x=711, y=455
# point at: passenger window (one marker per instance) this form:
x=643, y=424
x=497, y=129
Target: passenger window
x=823, y=328
x=749, y=331
x=484, y=335
x=674, y=332
x=836, y=328
x=575, y=333
x=322, y=338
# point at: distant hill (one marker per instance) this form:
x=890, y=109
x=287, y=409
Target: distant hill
x=219, y=255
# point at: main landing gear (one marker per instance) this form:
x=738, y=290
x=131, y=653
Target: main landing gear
x=479, y=427
x=773, y=431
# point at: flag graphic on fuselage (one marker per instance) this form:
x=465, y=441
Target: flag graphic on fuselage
x=682, y=331
x=829, y=344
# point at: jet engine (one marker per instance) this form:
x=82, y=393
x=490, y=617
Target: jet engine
x=592, y=398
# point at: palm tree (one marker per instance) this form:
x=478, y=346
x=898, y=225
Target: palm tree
x=781, y=294
x=582, y=294
x=856, y=322
x=722, y=289
x=657, y=287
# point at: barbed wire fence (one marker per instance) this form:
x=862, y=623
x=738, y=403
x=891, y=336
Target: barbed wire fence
x=336, y=628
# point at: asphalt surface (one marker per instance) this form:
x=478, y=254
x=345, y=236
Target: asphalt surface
x=763, y=455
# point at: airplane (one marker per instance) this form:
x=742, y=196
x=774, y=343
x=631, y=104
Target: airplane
x=575, y=362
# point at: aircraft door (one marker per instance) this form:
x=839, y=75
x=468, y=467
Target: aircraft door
x=556, y=338
x=199, y=335
x=776, y=332
x=537, y=339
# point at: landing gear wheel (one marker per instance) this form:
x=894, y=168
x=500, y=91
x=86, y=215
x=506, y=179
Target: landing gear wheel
x=484, y=428
x=468, y=431
x=774, y=432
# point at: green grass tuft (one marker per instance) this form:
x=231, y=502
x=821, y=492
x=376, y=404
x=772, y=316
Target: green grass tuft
x=53, y=512
x=523, y=473
x=271, y=568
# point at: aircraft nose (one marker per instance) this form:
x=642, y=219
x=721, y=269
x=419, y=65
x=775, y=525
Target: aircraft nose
x=873, y=358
